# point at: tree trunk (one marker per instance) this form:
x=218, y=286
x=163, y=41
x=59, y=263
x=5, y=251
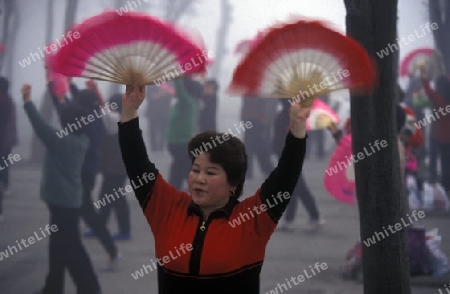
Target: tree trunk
x=380, y=189
x=222, y=34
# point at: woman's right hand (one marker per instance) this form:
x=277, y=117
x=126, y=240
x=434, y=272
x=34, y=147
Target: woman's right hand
x=133, y=98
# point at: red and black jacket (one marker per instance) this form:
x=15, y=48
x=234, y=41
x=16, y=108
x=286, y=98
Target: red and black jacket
x=223, y=259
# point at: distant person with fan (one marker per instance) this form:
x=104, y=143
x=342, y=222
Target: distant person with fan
x=222, y=258
x=182, y=127
x=61, y=191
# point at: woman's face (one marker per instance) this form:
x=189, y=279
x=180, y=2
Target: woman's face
x=208, y=184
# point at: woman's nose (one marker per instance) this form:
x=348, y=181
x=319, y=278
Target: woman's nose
x=200, y=178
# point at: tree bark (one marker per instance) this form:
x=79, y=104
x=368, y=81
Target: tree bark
x=380, y=189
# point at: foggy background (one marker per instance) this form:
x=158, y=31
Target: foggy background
x=248, y=17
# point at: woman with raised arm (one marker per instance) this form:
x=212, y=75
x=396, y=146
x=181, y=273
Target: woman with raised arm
x=207, y=241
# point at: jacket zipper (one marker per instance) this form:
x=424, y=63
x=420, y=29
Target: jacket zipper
x=199, y=240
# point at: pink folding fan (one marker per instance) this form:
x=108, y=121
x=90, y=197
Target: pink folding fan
x=128, y=49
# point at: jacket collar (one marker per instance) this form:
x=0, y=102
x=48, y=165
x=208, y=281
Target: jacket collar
x=224, y=211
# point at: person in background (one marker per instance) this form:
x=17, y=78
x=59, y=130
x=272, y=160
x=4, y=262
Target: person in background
x=61, y=191
x=208, y=113
x=412, y=139
x=6, y=115
x=216, y=255
x=90, y=99
x=182, y=127
x=301, y=192
x=441, y=101
x=11, y=142
x=114, y=174
x=261, y=112
x=158, y=110
x=416, y=99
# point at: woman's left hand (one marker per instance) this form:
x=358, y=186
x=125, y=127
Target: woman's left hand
x=26, y=93
x=298, y=116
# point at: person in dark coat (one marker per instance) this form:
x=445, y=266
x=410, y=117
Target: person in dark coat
x=208, y=114
x=90, y=101
x=158, y=110
x=6, y=115
x=114, y=174
x=62, y=192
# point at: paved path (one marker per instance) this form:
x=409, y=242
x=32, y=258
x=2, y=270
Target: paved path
x=288, y=254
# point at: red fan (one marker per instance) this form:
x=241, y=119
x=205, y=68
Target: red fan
x=128, y=49
x=303, y=58
x=414, y=60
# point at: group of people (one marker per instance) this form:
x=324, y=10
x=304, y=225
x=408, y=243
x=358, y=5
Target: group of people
x=114, y=147
x=71, y=165
x=215, y=181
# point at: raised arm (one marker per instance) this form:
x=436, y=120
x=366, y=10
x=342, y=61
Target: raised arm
x=134, y=153
x=46, y=133
x=285, y=176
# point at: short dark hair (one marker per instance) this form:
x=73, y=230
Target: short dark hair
x=70, y=113
x=229, y=154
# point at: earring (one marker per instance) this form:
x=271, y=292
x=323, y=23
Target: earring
x=233, y=193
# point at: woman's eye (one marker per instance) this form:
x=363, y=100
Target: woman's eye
x=211, y=174
x=195, y=171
